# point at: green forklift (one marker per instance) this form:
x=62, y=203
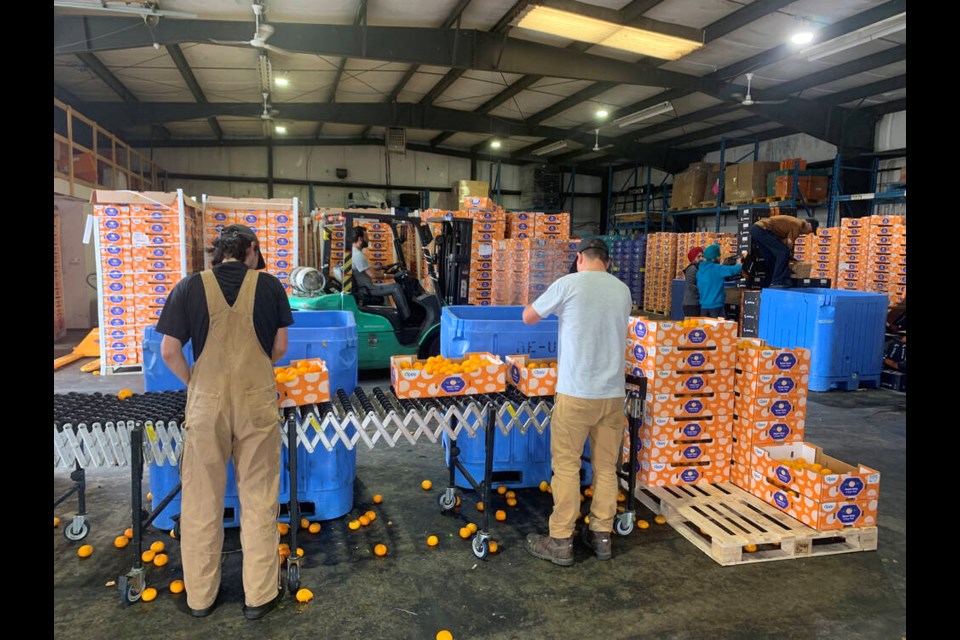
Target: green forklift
x=382, y=330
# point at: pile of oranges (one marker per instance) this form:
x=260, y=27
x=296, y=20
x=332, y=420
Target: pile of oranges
x=290, y=374
x=800, y=465
x=542, y=365
x=443, y=366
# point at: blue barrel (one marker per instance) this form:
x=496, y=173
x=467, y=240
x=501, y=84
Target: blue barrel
x=520, y=460
x=844, y=331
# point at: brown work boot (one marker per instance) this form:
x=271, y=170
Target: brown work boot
x=559, y=551
x=599, y=542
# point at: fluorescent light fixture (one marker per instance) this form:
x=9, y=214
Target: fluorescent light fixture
x=122, y=8
x=555, y=146
x=856, y=38
x=495, y=144
x=281, y=82
x=280, y=129
x=602, y=113
x=583, y=28
x=645, y=114
x=802, y=37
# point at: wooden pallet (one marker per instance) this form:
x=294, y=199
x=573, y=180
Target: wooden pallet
x=721, y=519
x=707, y=204
x=736, y=203
x=768, y=199
x=657, y=311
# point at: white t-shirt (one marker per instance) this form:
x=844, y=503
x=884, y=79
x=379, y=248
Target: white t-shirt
x=593, y=308
x=360, y=262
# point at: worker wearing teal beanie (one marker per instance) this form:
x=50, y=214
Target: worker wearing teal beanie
x=710, y=275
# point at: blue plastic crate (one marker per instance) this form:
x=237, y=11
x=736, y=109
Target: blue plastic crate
x=520, y=460
x=844, y=331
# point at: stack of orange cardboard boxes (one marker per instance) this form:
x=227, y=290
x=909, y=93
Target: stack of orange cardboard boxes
x=529, y=266
x=521, y=224
x=489, y=229
x=147, y=242
x=551, y=225
x=886, y=259
x=379, y=251
x=852, y=265
x=822, y=251
x=59, y=320
x=771, y=459
x=703, y=239
x=686, y=436
x=661, y=267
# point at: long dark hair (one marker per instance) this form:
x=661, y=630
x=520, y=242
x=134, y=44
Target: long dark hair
x=233, y=246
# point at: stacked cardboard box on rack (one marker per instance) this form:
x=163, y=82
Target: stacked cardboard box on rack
x=274, y=221
x=489, y=229
x=520, y=224
x=747, y=180
x=59, y=319
x=687, y=241
x=528, y=266
x=661, y=267
x=821, y=251
x=629, y=258
x=852, y=265
x=147, y=242
x=885, y=267
x=379, y=252
x=686, y=436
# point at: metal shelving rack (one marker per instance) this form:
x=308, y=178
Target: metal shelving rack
x=635, y=193
x=873, y=196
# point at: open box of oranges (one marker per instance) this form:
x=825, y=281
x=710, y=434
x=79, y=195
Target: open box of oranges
x=439, y=376
x=302, y=382
x=532, y=377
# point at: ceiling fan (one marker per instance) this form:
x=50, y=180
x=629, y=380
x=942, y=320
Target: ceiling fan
x=268, y=111
x=596, y=143
x=261, y=34
x=747, y=100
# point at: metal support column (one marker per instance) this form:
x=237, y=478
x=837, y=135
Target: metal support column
x=649, y=199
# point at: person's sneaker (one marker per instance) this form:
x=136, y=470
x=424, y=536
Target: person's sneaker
x=255, y=613
x=559, y=551
x=599, y=542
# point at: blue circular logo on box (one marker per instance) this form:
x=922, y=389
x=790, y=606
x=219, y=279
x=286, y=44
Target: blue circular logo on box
x=692, y=453
x=849, y=514
x=692, y=430
x=159, y=265
x=115, y=286
x=113, y=251
x=778, y=431
x=696, y=359
x=697, y=336
x=160, y=289
x=786, y=361
x=220, y=216
x=783, y=475
x=160, y=276
x=118, y=334
x=690, y=475
x=118, y=345
x=783, y=385
x=156, y=228
x=112, y=224
x=283, y=218
x=159, y=253
x=250, y=219
x=119, y=358
x=781, y=408
x=114, y=262
x=282, y=229
x=639, y=353
x=113, y=237
x=282, y=242
x=283, y=275
x=453, y=384
x=156, y=240
x=780, y=498
x=282, y=264
x=111, y=211
x=851, y=487
x=162, y=300
x=114, y=275
x=117, y=322
x=515, y=374
x=283, y=253
x=115, y=299
x=157, y=213
x=640, y=329
x=693, y=406
x=117, y=311
x=695, y=383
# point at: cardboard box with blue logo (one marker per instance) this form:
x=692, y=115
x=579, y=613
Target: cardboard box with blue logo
x=823, y=516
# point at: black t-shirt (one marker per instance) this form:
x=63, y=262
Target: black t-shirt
x=185, y=316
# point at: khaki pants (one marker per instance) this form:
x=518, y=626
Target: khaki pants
x=573, y=420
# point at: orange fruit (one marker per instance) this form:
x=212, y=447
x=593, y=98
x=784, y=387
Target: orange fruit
x=148, y=594
x=161, y=559
x=304, y=595
x=129, y=534
x=544, y=485
x=511, y=502
x=586, y=519
x=458, y=501
x=464, y=532
x=472, y=526
x=480, y=506
x=425, y=485
x=56, y=522
x=660, y=520
x=300, y=552
x=176, y=586
x=157, y=547
x=85, y=551
x=621, y=497
x=643, y=524
x=364, y=520
x=377, y=499
x=443, y=634
x=283, y=546
x=494, y=547
x=120, y=542
x=380, y=550
x=173, y=534
x=511, y=494
x=304, y=523
x=432, y=541
x=620, y=509
x=283, y=528
x=149, y=496
x=124, y=394
x=500, y=515
x=825, y=471
x=750, y=548
x=353, y=525
x=501, y=489
x=371, y=516
x=588, y=492
x=148, y=555
x=314, y=527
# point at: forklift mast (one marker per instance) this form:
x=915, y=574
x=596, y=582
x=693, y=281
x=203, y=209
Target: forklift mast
x=451, y=259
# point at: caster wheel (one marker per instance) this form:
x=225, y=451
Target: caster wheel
x=624, y=524
x=480, y=547
x=130, y=590
x=293, y=578
x=76, y=530
x=447, y=501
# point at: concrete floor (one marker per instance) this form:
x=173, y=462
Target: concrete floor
x=658, y=585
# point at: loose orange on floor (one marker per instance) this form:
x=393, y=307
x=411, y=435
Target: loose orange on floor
x=304, y=595
x=425, y=485
x=157, y=547
x=160, y=559
x=148, y=594
x=56, y=522
x=380, y=550
x=464, y=532
x=314, y=527
x=472, y=526
x=176, y=586
x=85, y=551
x=500, y=515
x=120, y=542
x=377, y=499
x=660, y=520
x=353, y=525
x=443, y=634
x=129, y=533
x=283, y=528
x=432, y=541
x=148, y=555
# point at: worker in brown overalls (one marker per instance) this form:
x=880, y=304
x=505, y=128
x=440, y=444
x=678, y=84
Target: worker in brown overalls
x=237, y=319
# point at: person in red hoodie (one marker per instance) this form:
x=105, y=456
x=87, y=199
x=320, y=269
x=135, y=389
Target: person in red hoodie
x=691, y=295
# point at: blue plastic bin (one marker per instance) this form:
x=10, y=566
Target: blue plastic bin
x=844, y=331
x=520, y=460
x=325, y=478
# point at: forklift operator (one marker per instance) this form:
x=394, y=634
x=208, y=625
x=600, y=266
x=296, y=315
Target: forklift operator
x=364, y=272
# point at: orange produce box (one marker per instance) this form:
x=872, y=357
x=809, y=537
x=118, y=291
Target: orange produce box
x=740, y=475
x=757, y=357
x=686, y=429
x=481, y=294
x=767, y=432
x=122, y=358
x=487, y=374
x=799, y=466
x=540, y=380
x=790, y=411
x=121, y=260
x=652, y=359
x=770, y=385
x=111, y=210
x=150, y=300
x=143, y=263
x=659, y=474
x=147, y=315
x=479, y=203
x=675, y=405
x=668, y=451
x=156, y=225
x=695, y=332
x=302, y=382
x=743, y=452
x=156, y=277
x=822, y=516
x=690, y=382
x=280, y=219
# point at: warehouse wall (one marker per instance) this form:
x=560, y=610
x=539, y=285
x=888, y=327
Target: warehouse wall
x=77, y=260
x=891, y=132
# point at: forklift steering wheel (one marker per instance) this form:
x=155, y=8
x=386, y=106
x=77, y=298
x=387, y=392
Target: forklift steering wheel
x=393, y=268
